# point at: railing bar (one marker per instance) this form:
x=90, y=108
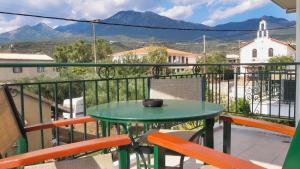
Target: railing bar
x=135, y=89
x=84, y=110
x=56, y=113
x=22, y=102
x=228, y=92
x=252, y=94
x=143, y=81
x=41, y=114
x=236, y=90
x=118, y=90
x=107, y=91
x=270, y=95
x=260, y=92
x=97, y=103
x=220, y=85
x=127, y=94
x=279, y=97
x=71, y=111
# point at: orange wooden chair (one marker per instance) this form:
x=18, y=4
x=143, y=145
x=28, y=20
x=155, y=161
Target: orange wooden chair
x=12, y=129
x=221, y=160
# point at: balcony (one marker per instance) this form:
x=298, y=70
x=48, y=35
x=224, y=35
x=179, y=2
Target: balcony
x=264, y=91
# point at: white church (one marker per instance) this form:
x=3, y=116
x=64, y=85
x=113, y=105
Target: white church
x=261, y=49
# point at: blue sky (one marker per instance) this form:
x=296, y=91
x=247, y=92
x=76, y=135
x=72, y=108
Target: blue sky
x=210, y=12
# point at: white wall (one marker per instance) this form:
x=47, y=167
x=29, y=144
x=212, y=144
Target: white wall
x=262, y=46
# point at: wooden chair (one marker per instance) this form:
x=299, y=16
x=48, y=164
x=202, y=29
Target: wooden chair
x=12, y=129
x=221, y=160
x=176, y=89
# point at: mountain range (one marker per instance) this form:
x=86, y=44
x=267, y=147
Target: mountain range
x=42, y=32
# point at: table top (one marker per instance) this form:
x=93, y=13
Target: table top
x=171, y=111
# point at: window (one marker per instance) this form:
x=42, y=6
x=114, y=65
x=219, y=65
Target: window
x=260, y=34
x=40, y=69
x=170, y=59
x=262, y=26
x=187, y=60
x=182, y=59
x=174, y=59
x=17, y=70
x=254, y=53
x=265, y=33
x=271, y=52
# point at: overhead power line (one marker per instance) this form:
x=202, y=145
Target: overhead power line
x=139, y=26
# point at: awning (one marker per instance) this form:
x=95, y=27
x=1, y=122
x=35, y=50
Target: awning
x=289, y=5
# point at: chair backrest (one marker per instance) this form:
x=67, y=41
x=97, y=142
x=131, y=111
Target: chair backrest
x=292, y=159
x=11, y=126
x=182, y=88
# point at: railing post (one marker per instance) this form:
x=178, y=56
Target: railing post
x=124, y=159
x=227, y=137
x=209, y=132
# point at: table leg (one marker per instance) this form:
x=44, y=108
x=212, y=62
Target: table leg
x=103, y=128
x=209, y=132
x=159, y=157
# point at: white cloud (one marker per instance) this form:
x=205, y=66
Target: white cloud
x=240, y=6
x=178, y=12
x=78, y=9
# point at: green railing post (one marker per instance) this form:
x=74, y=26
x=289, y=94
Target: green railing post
x=209, y=132
x=227, y=137
x=22, y=147
x=124, y=157
x=159, y=157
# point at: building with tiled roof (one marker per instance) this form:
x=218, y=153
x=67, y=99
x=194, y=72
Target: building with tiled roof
x=174, y=56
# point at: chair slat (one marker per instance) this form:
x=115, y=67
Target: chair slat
x=9, y=129
x=292, y=159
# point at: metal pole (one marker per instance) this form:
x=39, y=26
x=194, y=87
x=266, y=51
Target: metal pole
x=204, y=52
x=297, y=115
x=94, y=44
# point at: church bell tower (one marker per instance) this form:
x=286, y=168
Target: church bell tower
x=262, y=30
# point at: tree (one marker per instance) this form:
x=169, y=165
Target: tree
x=156, y=55
x=81, y=52
x=281, y=59
x=103, y=49
x=131, y=58
x=78, y=52
x=214, y=58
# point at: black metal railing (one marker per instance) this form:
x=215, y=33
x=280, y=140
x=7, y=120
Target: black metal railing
x=259, y=90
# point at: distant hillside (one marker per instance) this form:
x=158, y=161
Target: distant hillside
x=139, y=18
x=43, y=32
x=39, y=32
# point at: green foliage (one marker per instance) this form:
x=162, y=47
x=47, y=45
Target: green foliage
x=243, y=106
x=214, y=58
x=131, y=58
x=77, y=52
x=281, y=59
x=81, y=52
x=103, y=49
x=156, y=55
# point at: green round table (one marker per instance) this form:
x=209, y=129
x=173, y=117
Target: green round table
x=171, y=111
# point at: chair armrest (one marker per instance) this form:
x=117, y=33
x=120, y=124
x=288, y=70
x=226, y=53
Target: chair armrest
x=199, y=152
x=63, y=151
x=279, y=128
x=59, y=123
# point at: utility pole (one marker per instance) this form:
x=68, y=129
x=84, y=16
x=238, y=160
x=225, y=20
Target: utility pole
x=204, y=52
